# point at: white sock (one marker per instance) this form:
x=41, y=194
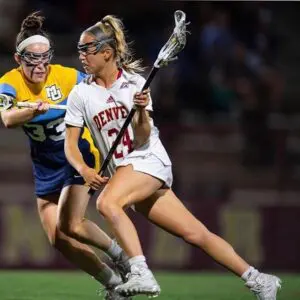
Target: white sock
x=114, y=250
x=108, y=277
x=139, y=260
x=250, y=273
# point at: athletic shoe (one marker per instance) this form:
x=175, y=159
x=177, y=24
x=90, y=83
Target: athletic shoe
x=264, y=286
x=140, y=282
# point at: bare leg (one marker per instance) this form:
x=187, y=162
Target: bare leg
x=79, y=254
x=164, y=209
x=71, y=212
x=127, y=187
x=117, y=195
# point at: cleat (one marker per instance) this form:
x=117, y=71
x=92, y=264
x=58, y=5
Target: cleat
x=264, y=286
x=140, y=282
x=111, y=294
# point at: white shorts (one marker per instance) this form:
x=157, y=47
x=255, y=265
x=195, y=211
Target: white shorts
x=152, y=165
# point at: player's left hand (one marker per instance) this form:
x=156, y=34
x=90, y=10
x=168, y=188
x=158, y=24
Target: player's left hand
x=142, y=99
x=41, y=107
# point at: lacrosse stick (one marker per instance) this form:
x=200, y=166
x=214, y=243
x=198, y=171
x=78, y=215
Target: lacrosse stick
x=167, y=54
x=7, y=102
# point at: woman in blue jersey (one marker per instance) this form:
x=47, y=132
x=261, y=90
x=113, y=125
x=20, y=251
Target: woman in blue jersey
x=37, y=81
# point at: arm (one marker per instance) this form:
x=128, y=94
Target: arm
x=141, y=121
x=72, y=150
x=75, y=158
x=16, y=117
x=141, y=127
x=74, y=123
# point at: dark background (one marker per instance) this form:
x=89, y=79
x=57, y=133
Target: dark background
x=228, y=112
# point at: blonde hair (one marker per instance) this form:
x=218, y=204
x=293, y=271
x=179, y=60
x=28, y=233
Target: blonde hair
x=111, y=27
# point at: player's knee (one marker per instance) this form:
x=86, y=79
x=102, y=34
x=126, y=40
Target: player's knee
x=69, y=228
x=108, y=210
x=63, y=226
x=104, y=207
x=197, y=236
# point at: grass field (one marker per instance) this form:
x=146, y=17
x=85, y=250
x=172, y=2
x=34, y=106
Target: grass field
x=15, y=285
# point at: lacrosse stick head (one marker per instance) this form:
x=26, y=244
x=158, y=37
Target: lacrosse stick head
x=6, y=102
x=175, y=43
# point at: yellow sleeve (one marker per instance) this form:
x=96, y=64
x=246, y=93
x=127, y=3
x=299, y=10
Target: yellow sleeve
x=67, y=77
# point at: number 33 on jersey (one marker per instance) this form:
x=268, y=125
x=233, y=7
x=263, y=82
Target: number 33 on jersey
x=48, y=128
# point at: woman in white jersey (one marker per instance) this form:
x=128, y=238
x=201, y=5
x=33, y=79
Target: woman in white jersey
x=141, y=169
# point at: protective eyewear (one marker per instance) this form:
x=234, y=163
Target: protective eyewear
x=93, y=47
x=34, y=59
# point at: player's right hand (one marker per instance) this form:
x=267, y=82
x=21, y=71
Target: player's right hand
x=41, y=107
x=93, y=179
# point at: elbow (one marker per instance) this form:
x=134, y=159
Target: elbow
x=141, y=140
x=8, y=123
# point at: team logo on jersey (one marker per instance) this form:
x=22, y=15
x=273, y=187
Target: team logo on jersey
x=110, y=99
x=125, y=84
x=53, y=92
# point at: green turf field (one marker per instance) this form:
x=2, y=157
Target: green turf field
x=72, y=286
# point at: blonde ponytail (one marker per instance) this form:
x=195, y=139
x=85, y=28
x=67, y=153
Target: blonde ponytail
x=112, y=27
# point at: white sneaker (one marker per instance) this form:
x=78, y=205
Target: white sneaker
x=264, y=286
x=140, y=282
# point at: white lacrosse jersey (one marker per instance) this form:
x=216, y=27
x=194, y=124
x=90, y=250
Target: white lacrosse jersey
x=104, y=110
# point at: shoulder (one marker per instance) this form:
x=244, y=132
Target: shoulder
x=134, y=79
x=83, y=90
x=62, y=70
x=81, y=87
x=11, y=76
x=79, y=91
x=76, y=90
x=66, y=76
x=10, y=82
x=67, y=72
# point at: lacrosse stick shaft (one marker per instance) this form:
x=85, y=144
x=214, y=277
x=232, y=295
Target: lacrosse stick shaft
x=125, y=125
x=7, y=102
x=123, y=129
x=166, y=54
x=30, y=104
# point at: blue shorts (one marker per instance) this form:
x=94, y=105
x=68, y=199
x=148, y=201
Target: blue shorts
x=52, y=171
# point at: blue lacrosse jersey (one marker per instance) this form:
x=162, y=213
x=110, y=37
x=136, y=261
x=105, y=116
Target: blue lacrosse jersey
x=46, y=132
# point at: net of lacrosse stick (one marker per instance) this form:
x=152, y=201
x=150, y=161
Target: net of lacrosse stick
x=175, y=43
x=7, y=102
x=168, y=53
